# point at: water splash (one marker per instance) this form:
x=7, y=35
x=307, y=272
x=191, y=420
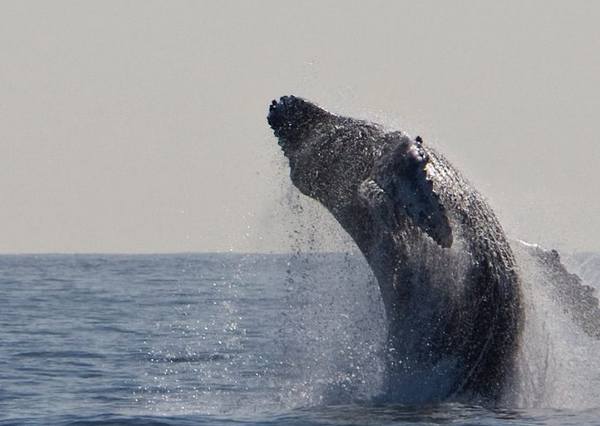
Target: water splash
x=558, y=362
x=334, y=332
x=336, y=327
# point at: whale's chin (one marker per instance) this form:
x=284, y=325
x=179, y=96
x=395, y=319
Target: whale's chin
x=287, y=148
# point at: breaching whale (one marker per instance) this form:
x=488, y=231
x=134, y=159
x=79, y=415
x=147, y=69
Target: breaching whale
x=445, y=269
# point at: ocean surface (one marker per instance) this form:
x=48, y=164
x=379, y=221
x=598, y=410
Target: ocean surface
x=224, y=339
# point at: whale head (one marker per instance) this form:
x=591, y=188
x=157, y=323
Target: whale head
x=291, y=117
x=332, y=157
x=329, y=155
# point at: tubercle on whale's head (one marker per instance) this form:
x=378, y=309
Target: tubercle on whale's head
x=291, y=118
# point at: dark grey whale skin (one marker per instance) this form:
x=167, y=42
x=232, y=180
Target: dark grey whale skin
x=444, y=267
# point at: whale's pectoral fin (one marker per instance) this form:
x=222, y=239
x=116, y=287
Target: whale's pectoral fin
x=402, y=174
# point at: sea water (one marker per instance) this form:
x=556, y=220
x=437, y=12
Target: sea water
x=276, y=339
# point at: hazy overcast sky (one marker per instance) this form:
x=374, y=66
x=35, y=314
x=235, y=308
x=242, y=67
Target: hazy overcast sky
x=139, y=126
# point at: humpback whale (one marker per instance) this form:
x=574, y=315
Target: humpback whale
x=445, y=269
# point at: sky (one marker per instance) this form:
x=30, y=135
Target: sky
x=140, y=126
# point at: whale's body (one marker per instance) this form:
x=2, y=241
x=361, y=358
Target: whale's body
x=445, y=269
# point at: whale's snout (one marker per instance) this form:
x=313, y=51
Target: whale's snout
x=277, y=114
x=280, y=118
x=285, y=113
x=291, y=116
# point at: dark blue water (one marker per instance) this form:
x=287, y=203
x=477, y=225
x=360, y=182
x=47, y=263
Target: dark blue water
x=206, y=339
